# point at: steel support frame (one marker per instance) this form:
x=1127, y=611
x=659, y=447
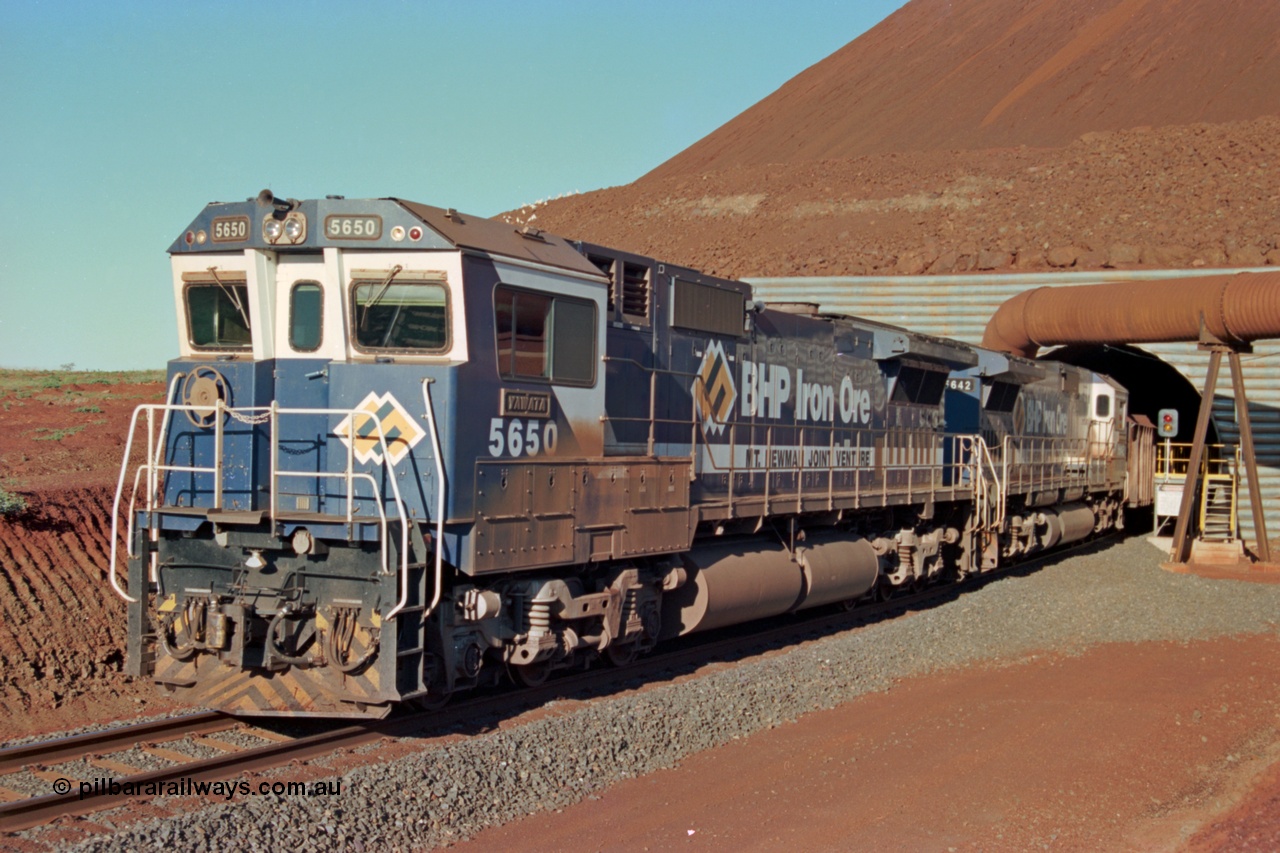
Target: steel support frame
x=1181, y=536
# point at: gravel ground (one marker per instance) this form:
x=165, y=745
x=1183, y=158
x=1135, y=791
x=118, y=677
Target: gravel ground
x=25, y=782
x=241, y=738
x=1117, y=594
x=195, y=750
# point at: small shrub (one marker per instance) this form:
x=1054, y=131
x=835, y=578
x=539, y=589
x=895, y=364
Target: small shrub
x=11, y=503
x=88, y=409
x=51, y=434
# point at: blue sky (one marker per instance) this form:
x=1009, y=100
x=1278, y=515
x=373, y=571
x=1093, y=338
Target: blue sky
x=121, y=120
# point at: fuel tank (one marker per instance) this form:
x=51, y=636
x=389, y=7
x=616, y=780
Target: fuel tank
x=747, y=579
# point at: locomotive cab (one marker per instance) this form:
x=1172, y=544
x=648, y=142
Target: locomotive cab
x=290, y=518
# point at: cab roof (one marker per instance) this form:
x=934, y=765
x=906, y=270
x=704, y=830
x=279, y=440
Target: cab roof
x=394, y=224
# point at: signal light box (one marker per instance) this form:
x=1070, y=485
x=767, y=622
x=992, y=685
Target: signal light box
x=1167, y=423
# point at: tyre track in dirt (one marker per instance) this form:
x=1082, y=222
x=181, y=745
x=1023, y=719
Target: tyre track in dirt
x=62, y=635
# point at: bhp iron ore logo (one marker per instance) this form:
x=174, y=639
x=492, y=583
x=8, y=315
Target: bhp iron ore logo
x=713, y=390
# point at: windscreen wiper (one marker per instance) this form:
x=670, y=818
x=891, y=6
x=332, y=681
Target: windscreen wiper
x=374, y=299
x=231, y=294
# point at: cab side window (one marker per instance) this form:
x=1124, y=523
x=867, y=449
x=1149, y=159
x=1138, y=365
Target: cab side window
x=545, y=337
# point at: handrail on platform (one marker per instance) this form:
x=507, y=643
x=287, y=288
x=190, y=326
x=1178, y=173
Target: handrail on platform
x=154, y=469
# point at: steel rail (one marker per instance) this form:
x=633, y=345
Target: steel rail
x=24, y=814
x=14, y=758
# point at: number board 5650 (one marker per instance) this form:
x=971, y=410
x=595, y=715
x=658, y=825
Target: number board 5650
x=348, y=227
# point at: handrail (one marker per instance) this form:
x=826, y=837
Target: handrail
x=933, y=451
x=377, y=498
x=115, y=504
x=1172, y=458
x=275, y=411
x=440, y=496
x=153, y=468
x=1001, y=492
x=652, y=420
x=1035, y=462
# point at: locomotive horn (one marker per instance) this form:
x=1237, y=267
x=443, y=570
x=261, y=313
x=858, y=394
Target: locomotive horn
x=266, y=198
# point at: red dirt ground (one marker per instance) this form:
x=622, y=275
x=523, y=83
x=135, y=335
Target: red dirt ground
x=66, y=429
x=61, y=627
x=1126, y=747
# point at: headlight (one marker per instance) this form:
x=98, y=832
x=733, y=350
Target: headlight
x=272, y=228
x=295, y=228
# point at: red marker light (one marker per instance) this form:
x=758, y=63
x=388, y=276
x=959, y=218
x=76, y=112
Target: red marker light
x=415, y=233
x=191, y=237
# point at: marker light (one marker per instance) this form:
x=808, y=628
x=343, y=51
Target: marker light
x=415, y=233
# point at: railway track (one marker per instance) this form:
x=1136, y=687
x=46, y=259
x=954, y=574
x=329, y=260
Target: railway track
x=96, y=748
x=99, y=750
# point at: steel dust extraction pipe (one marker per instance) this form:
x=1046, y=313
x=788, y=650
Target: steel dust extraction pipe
x=1235, y=309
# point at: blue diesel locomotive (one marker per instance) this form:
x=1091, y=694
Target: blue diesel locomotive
x=407, y=451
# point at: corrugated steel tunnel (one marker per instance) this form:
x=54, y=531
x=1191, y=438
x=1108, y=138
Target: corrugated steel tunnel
x=1153, y=384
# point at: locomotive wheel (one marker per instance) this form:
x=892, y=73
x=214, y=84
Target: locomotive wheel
x=531, y=674
x=621, y=655
x=432, y=701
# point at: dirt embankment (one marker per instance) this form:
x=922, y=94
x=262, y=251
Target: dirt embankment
x=982, y=136
x=1171, y=197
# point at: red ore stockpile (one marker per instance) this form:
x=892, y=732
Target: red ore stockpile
x=983, y=135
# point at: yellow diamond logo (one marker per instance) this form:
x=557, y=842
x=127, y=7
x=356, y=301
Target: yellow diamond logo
x=359, y=430
x=713, y=390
